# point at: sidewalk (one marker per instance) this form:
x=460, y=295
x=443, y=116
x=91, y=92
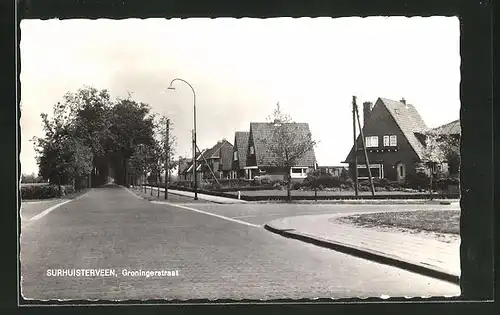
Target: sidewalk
x=215, y=199
x=415, y=252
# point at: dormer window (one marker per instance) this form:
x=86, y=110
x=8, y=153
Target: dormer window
x=371, y=141
x=252, y=150
x=235, y=156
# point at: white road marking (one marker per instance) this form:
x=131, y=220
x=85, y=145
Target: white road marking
x=47, y=211
x=208, y=213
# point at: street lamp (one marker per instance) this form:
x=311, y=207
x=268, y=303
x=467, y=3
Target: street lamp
x=194, y=133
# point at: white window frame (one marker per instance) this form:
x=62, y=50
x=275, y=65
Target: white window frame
x=303, y=172
x=371, y=141
x=251, y=150
x=372, y=166
x=386, y=141
x=393, y=140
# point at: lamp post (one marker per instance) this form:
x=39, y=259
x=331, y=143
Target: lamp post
x=194, y=133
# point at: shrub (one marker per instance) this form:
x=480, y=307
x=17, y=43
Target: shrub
x=326, y=180
x=67, y=189
x=418, y=181
x=39, y=191
x=296, y=186
x=277, y=185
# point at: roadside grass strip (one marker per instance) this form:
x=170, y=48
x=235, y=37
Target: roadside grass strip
x=438, y=221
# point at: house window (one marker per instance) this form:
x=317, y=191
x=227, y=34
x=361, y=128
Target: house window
x=371, y=142
x=386, y=141
x=377, y=171
x=390, y=141
x=252, y=150
x=235, y=155
x=393, y=141
x=299, y=172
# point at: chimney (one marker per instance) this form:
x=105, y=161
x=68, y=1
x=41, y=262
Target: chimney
x=367, y=109
x=403, y=100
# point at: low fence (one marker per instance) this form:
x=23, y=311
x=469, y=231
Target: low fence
x=380, y=196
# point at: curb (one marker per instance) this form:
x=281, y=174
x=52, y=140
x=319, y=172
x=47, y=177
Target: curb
x=205, y=199
x=173, y=193
x=372, y=255
x=360, y=202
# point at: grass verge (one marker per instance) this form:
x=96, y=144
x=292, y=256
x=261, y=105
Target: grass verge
x=171, y=197
x=438, y=221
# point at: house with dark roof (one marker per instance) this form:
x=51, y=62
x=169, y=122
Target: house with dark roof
x=452, y=129
x=448, y=134
x=332, y=170
x=187, y=172
x=393, y=136
x=216, y=161
x=261, y=160
x=183, y=165
x=239, y=157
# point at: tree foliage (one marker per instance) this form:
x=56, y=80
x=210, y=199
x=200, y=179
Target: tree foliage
x=90, y=132
x=288, y=142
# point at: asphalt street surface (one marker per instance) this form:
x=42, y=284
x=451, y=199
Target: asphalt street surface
x=214, y=252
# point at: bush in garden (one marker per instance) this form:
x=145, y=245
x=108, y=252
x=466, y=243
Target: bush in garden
x=296, y=186
x=39, y=191
x=327, y=180
x=418, y=181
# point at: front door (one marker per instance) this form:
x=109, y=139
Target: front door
x=401, y=171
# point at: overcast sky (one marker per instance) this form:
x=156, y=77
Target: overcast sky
x=241, y=68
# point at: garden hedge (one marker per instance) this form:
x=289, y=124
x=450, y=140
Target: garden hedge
x=37, y=191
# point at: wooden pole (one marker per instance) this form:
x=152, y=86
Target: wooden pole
x=167, y=158
x=355, y=146
x=364, y=150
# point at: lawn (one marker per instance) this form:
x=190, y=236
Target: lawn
x=439, y=221
x=276, y=192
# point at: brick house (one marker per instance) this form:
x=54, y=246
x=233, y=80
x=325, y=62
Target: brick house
x=218, y=159
x=333, y=170
x=450, y=131
x=261, y=161
x=393, y=135
x=239, y=155
x=183, y=165
x=186, y=173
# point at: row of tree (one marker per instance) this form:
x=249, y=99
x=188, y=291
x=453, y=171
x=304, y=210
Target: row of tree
x=90, y=133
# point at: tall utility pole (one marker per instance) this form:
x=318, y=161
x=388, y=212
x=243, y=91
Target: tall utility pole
x=364, y=150
x=355, y=146
x=167, y=158
x=194, y=133
x=194, y=167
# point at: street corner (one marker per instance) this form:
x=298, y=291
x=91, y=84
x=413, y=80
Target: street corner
x=32, y=210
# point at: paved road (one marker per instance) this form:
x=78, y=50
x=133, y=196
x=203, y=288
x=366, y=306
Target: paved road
x=257, y=213
x=215, y=257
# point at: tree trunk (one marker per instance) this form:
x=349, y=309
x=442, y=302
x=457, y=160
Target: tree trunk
x=289, y=185
x=431, y=178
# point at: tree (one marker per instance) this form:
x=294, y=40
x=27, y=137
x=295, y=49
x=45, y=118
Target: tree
x=131, y=125
x=28, y=178
x=433, y=154
x=451, y=149
x=165, y=143
x=288, y=143
x=90, y=132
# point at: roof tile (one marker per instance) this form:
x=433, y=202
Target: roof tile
x=262, y=134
